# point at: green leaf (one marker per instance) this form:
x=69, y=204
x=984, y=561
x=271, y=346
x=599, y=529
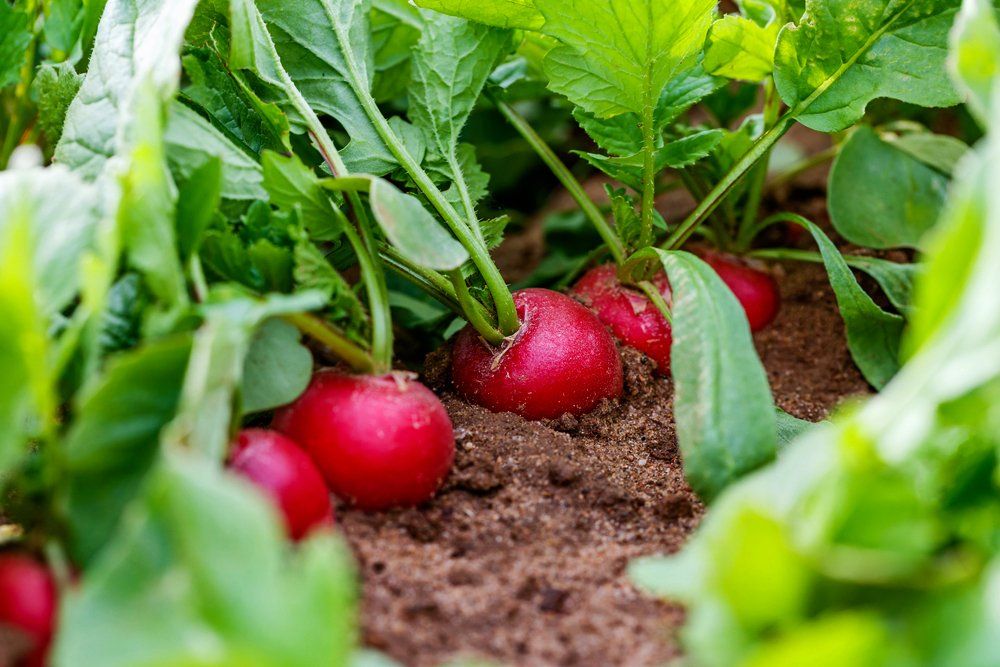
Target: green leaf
x=113, y=443
x=136, y=42
x=975, y=56
x=740, y=49
x=63, y=23
x=789, y=427
x=846, y=53
x=121, y=321
x=396, y=27
x=147, y=212
x=325, y=49
x=277, y=368
x=166, y=591
x=414, y=232
x=616, y=56
x=197, y=203
x=313, y=272
x=193, y=142
x=676, y=154
x=291, y=184
x=499, y=13
x=56, y=86
x=15, y=36
x=895, y=279
x=215, y=371
x=450, y=66
x=62, y=213
x=882, y=197
x=723, y=407
x=258, y=125
x=873, y=335
x=938, y=151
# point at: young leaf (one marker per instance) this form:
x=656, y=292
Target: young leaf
x=450, y=66
x=740, y=49
x=616, y=56
x=112, y=443
x=165, y=591
x=57, y=85
x=15, y=36
x=499, y=13
x=676, y=154
x=846, y=53
x=413, y=230
x=312, y=271
x=975, y=56
x=192, y=142
x=882, y=197
x=291, y=184
x=197, y=203
x=136, y=41
x=277, y=368
x=723, y=407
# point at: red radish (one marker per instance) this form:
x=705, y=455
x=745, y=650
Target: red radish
x=561, y=360
x=286, y=473
x=380, y=442
x=629, y=313
x=28, y=605
x=755, y=289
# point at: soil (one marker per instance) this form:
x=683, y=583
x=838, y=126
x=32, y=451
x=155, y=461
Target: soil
x=521, y=558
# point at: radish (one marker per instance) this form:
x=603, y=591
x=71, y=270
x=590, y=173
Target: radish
x=629, y=313
x=755, y=289
x=285, y=473
x=380, y=441
x=561, y=360
x=28, y=605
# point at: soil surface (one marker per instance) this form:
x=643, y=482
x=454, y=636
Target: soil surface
x=521, y=558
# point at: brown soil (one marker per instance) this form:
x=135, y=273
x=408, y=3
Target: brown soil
x=521, y=557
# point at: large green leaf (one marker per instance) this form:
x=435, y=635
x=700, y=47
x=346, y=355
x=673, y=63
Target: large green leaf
x=881, y=196
x=413, y=230
x=845, y=53
x=499, y=13
x=616, y=56
x=726, y=423
x=113, y=442
x=138, y=40
x=739, y=48
x=167, y=590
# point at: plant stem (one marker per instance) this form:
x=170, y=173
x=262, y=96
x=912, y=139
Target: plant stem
x=503, y=301
x=431, y=282
x=489, y=333
x=648, y=170
x=755, y=194
x=714, y=198
x=562, y=172
x=654, y=295
x=377, y=293
x=355, y=357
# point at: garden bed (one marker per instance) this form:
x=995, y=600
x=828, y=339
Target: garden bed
x=521, y=557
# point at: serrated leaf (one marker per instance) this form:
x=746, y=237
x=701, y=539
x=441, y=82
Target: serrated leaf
x=616, y=56
x=975, y=56
x=56, y=85
x=193, y=142
x=676, y=154
x=277, y=368
x=137, y=41
x=882, y=197
x=740, y=49
x=846, y=53
x=313, y=271
x=413, y=231
x=723, y=407
x=498, y=13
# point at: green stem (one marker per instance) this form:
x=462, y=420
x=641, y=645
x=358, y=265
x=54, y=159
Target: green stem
x=656, y=297
x=377, y=293
x=755, y=194
x=648, y=170
x=431, y=282
x=759, y=150
x=489, y=333
x=562, y=172
x=355, y=357
x=502, y=298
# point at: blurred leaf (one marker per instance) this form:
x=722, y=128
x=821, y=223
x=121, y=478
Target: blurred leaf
x=881, y=196
x=113, y=442
x=15, y=36
x=166, y=591
x=895, y=279
x=121, y=321
x=136, y=42
x=277, y=368
x=197, y=203
x=396, y=27
x=63, y=24
x=414, y=232
x=499, y=13
x=935, y=150
x=975, y=57
x=857, y=639
x=789, y=427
